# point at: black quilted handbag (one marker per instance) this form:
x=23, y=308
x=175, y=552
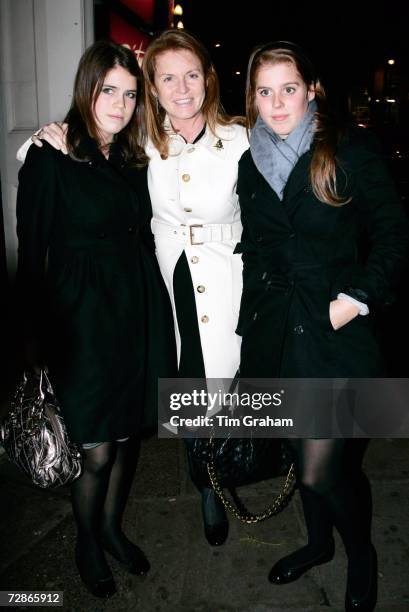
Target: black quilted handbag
x=35, y=437
x=240, y=461
x=233, y=462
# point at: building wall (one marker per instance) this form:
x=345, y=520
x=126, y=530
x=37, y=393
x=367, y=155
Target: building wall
x=41, y=42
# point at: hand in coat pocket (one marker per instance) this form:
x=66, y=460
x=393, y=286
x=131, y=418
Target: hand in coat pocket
x=342, y=312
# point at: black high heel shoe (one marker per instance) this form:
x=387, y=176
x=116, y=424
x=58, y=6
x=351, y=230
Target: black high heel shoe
x=216, y=535
x=135, y=562
x=103, y=588
x=216, y=525
x=282, y=573
x=367, y=602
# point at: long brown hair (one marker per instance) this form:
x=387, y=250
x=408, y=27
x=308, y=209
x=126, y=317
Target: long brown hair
x=94, y=64
x=324, y=163
x=213, y=112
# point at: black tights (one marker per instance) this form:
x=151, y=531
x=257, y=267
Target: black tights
x=98, y=500
x=334, y=492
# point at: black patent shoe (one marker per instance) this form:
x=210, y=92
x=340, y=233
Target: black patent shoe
x=134, y=563
x=281, y=573
x=367, y=602
x=217, y=534
x=103, y=588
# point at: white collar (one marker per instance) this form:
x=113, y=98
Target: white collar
x=216, y=145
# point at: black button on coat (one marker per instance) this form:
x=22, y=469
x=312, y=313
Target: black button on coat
x=311, y=252
x=90, y=289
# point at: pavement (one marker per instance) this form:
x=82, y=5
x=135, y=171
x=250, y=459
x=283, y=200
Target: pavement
x=163, y=516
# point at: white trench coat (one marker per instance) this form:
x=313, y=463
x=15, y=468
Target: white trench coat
x=196, y=186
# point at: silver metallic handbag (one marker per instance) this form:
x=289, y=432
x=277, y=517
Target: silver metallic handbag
x=34, y=435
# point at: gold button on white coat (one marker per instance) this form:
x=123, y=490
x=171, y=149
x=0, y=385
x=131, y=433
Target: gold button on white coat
x=194, y=259
x=186, y=178
x=201, y=289
x=186, y=209
x=205, y=319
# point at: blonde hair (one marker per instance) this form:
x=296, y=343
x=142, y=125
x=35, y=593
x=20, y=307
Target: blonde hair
x=324, y=163
x=212, y=109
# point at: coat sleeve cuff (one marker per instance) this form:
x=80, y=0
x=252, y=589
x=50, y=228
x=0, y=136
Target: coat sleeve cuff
x=23, y=150
x=363, y=308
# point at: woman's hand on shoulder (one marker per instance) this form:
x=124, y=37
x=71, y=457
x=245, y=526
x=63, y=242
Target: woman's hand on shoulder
x=342, y=312
x=55, y=134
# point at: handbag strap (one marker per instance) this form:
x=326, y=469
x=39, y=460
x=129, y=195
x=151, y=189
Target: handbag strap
x=278, y=504
x=43, y=381
x=46, y=380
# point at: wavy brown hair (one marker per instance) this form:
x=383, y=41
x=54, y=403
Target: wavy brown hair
x=94, y=64
x=327, y=134
x=212, y=109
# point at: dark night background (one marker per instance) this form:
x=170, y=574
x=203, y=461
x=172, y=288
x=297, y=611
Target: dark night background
x=348, y=40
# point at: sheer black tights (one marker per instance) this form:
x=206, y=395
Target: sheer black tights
x=120, y=481
x=98, y=499
x=334, y=492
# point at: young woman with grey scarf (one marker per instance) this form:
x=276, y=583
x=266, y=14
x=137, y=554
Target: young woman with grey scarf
x=308, y=194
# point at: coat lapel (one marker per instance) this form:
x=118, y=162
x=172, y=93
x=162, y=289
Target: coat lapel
x=299, y=180
x=218, y=145
x=267, y=197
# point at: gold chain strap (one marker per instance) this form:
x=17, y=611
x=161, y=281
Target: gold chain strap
x=247, y=517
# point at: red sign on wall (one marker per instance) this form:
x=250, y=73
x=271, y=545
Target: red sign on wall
x=123, y=32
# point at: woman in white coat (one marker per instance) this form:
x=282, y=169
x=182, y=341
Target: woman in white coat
x=194, y=149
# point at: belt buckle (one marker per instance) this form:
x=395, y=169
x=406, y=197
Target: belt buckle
x=191, y=235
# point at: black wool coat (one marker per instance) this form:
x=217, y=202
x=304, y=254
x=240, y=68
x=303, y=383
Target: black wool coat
x=299, y=253
x=90, y=289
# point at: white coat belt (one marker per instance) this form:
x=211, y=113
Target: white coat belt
x=197, y=234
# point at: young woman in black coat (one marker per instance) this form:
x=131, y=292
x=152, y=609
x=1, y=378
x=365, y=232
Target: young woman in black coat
x=310, y=196
x=98, y=313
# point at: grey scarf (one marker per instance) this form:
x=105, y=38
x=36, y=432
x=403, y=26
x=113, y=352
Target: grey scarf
x=274, y=157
